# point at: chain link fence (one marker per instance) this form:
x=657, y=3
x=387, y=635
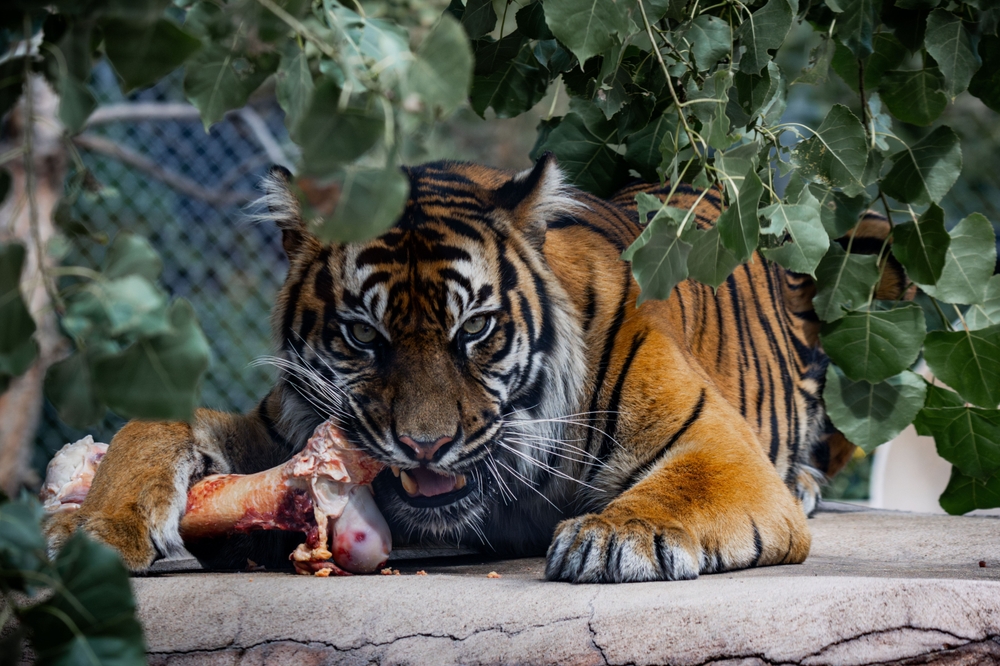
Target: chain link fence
x=162, y=175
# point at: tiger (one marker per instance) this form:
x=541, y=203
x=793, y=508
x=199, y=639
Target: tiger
x=489, y=350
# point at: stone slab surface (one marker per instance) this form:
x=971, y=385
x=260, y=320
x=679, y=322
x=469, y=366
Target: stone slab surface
x=879, y=587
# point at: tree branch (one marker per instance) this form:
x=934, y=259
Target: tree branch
x=180, y=183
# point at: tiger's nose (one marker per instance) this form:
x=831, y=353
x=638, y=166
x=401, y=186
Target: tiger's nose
x=425, y=450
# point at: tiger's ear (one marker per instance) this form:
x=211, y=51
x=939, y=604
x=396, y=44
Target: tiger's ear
x=534, y=197
x=284, y=208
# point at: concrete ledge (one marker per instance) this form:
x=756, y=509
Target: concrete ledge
x=880, y=587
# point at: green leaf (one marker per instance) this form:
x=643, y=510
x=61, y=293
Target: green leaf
x=752, y=93
x=950, y=44
x=985, y=83
x=922, y=246
x=708, y=38
x=820, y=58
x=763, y=32
x=969, y=261
x=91, y=613
x=838, y=212
x=513, y=87
x=837, y=152
x=715, y=122
x=967, y=437
x=937, y=397
x=76, y=102
x=738, y=225
x=967, y=361
x=643, y=149
x=125, y=306
x=986, y=313
x=143, y=53
x=132, y=255
x=442, y=68
x=807, y=240
x=69, y=385
x=880, y=124
x=672, y=9
x=17, y=347
x=856, y=24
x=844, y=282
x=887, y=53
x=914, y=97
x=965, y=493
x=709, y=261
x=157, y=377
x=874, y=345
x=294, y=89
x=530, y=20
x=926, y=171
x=588, y=27
x=22, y=546
x=338, y=135
x=479, y=19
x=872, y=414
x=371, y=201
x=586, y=154
x=218, y=79
x=661, y=262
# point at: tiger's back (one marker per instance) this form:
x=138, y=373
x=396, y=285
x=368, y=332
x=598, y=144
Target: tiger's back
x=755, y=337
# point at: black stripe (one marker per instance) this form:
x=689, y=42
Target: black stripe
x=758, y=545
x=269, y=426
x=611, y=426
x=607, y=348
x=743, y=349
x=642, y=470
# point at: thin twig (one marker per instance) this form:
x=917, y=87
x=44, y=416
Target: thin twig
x=666, y=73
x=143, y=111
x=180, y=183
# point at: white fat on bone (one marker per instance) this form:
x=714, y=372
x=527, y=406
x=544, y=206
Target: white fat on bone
x=70, y=473
x=322, y=491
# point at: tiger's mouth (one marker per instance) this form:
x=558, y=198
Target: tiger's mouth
x=423, y=488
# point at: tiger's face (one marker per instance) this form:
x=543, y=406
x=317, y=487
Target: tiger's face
x=427, y=342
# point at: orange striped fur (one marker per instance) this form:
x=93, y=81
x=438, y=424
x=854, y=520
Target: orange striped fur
x=492, y=336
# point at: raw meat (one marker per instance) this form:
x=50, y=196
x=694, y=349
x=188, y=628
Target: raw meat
x=323, y=491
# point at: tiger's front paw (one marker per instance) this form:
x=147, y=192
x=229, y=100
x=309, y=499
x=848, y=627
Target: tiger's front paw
x=595, y=548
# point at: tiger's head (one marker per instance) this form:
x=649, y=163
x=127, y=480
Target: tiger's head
x=428, y=342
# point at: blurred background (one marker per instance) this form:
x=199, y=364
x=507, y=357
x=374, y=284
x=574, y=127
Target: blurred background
x=189, y=191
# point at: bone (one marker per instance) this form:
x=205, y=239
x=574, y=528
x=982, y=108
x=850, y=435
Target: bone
x=70, y=473
x=323, y=491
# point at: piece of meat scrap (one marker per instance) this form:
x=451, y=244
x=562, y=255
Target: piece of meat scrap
x=70, y=473
x=323, y=491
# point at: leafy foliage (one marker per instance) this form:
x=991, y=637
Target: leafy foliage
x=86, y=613
x=683, y=91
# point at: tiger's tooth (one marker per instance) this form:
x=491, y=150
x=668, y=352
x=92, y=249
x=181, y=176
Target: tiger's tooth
x=459, y=482
x=409, y=485
x=395, y=470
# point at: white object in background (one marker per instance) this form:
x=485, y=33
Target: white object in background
x=909, y=475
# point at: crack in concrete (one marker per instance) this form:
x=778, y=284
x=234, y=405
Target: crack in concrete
x=590, y=626
x=766, y=661
x=366, y=645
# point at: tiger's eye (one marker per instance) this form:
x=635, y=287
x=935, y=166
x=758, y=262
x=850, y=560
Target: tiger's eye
x=363, y=333
x=474, y=325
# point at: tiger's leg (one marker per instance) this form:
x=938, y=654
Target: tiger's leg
x=709, y=501
x=139, y=492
